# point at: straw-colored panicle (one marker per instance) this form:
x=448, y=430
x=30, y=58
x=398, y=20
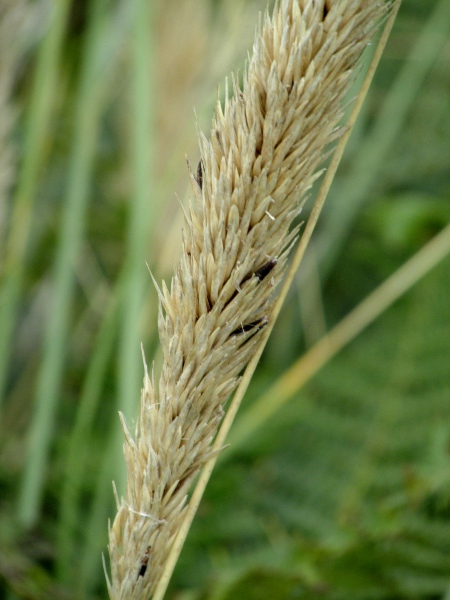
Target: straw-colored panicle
x=265, y=151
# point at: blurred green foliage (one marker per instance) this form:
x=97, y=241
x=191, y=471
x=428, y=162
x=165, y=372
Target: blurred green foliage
x=345, y=494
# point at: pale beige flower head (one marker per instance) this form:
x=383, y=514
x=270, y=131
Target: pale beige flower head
x=266, y=149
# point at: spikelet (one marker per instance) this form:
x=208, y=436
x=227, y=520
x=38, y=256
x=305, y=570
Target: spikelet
x=265, y=151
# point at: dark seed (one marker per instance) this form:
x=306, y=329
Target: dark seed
x=249, y=326
x=265, y=269
x=144, y=563
x=262, y=271
x=199, y=176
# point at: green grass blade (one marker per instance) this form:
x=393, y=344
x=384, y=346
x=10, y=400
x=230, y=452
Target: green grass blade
x=96, y=522
x=36, y=135
x=141, y=213
x=88, y=110
x=294, y=378
x=78, y=447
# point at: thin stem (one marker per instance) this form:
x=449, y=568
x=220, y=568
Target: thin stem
x=337, y=338
x=391, y=116
x=248, y=373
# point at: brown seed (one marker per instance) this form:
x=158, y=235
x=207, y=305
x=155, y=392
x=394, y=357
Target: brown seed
x=144, y=563
x=199, y=175
x=256, y=325
x=265, y=269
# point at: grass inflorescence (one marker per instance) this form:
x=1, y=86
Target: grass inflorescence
x=266, y=149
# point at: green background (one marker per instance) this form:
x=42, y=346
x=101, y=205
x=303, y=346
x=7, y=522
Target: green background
x=344, y=492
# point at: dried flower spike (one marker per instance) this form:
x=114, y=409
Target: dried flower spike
x=265, y=152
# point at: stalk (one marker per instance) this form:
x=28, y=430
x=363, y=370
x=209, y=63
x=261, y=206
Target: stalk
x=266, y=149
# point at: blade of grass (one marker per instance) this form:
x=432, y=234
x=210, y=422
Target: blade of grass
x=337, y=338
x=304, y=240
x=78, y=449
x=89, y=566
x=141, y=212
x=128, y=294
x=34, y=150
x=366, y=164
x=89, y=103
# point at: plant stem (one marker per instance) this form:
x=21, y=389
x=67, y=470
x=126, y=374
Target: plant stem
x=238, y=396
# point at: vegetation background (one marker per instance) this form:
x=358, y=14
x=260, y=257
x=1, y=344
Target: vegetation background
x=336, y=489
